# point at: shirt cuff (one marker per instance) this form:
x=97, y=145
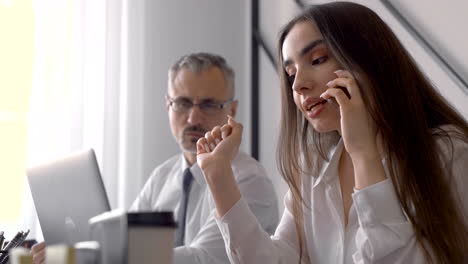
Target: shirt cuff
x=236, y=223
x=378, y=204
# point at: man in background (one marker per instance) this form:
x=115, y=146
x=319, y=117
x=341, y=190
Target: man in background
x=200, y=96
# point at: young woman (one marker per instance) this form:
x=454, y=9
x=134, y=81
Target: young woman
x=376, y=160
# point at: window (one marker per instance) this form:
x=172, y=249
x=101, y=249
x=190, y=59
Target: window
x=16, y=62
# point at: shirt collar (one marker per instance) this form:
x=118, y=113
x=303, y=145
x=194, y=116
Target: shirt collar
x=330, y=169
x=194, y=169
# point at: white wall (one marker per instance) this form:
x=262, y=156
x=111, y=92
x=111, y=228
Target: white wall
x=169, y=30
x=438, y=30
x=443, y=25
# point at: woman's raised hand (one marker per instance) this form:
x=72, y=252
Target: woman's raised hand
x=220, y=145
x=215, y=153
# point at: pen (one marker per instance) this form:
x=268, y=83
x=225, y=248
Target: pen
x=1, y=239
x=22, y=238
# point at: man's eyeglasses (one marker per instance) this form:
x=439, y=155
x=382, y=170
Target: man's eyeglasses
x=209, y=107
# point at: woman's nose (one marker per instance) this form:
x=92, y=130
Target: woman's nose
x=300, y=84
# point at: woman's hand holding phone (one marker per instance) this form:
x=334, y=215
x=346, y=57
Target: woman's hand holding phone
x=357, y=127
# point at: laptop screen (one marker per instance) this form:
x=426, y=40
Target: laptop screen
x=66, y=193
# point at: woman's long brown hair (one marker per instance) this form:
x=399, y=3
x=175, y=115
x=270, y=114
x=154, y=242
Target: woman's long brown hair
x=408, y=112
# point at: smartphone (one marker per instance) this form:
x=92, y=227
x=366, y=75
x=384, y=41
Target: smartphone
x=345, y=90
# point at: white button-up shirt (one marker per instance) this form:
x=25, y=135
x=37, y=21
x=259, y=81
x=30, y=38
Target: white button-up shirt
x=203, y=240
x=377, y=232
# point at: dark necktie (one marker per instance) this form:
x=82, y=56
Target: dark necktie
x=180, y=232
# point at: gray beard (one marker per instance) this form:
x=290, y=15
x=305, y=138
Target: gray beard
x=192, y=149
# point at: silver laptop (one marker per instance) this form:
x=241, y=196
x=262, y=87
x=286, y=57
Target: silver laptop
x=66, y=193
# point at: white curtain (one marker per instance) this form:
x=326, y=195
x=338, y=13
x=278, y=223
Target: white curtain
x=79, y=95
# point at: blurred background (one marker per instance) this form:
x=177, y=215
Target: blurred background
x=78, y=74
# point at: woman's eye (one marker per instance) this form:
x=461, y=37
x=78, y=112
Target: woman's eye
x=319, y=60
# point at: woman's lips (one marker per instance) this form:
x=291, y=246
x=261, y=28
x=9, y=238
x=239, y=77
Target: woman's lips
x=311, y=102
x=315, y=104
x=315, y=109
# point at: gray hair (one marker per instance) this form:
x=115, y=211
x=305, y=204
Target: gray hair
x=199, y=62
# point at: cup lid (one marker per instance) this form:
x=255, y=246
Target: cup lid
x=153, y=219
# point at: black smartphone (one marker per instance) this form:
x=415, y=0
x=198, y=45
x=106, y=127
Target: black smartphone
x=345, y=90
